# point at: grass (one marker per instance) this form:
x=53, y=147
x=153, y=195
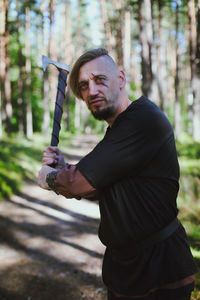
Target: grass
x=189, y=210
x=20, y=160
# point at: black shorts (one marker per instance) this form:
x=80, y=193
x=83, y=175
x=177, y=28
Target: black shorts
x=183, y=293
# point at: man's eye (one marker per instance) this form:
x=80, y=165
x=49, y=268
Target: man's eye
x=83, y=86
x=100, y=79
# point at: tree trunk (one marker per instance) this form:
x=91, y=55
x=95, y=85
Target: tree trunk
x=127, y=48
x=161, y=71
x=7, y=84
x=195, y=77
x=53, y=74
x=29, y=121
x=198, y=40
x=3, y=8
x=145, y=47
x=20, y=101
x=153, y=55
x=107, y=37
x=45, y=90
x=119, y=28
x=68, y=51
x=68, y=47
x=177, y=114
x=77, y=116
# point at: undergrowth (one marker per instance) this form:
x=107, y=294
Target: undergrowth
x=20, y=160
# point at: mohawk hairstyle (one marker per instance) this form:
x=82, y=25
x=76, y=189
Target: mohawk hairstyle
x=83, y=59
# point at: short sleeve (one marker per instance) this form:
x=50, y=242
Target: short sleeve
x=127, y=148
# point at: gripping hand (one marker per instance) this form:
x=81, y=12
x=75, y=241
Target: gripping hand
x=52, y=156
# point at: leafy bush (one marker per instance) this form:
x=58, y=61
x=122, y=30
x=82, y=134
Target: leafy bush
x=190, y=150
x=20, y=160
x=187, y=147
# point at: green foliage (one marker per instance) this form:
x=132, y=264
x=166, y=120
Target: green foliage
x=192, y=227
x=36, y=97
x=189, y=150
x=190, y=166
x=189, y=214
x=189, y=196
x=95, y=125
x=187, y=147
x=16, y=163
x=133, y=89
x=8, y=183
x=20, y=160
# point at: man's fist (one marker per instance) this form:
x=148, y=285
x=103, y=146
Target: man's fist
x=53, y=156
x=42, y=176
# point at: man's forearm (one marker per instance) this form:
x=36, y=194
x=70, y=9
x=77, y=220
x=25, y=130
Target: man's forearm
x=71, y=183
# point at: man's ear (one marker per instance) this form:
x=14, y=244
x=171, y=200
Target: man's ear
x=122, y=79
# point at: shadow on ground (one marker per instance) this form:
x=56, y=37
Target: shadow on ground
x=35, y=260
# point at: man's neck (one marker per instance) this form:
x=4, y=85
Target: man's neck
x=124, y=104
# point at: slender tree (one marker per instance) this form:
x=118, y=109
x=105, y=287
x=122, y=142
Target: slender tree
x=81, y=42
x=161, y=70
x=68, y=47
x=153, y=54
x=7, y=84
x=198, y=39
x=177, y=119
x=3, y=8
x=119, y=31
x=52, y=53
x=45, y=89
x=195, y=78
x=145, y=35
x=29, y=121
x=107, y=37
x=67, y=56
x=20, y=101
x=127, y=46
x=77, y=116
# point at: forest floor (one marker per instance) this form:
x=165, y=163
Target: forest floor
x=49, y=248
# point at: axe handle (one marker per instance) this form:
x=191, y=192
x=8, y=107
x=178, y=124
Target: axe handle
x=60, y=96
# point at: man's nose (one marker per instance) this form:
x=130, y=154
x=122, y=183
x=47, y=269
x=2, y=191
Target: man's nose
x=93, y=90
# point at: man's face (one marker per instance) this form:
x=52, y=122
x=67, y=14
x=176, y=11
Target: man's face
x=99, y=85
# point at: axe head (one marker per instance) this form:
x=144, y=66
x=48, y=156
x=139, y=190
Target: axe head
x=46, y=60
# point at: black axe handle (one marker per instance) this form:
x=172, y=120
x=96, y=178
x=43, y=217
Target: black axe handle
x=60, y=96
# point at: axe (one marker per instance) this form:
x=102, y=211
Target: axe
x=62, y=82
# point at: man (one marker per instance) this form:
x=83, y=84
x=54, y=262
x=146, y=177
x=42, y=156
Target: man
x=134, y=174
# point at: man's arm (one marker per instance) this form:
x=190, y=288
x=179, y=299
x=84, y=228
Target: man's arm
x=70, y=182
x=67, y=180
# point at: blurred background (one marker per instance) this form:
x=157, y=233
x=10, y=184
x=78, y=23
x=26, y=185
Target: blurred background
x=156, y=43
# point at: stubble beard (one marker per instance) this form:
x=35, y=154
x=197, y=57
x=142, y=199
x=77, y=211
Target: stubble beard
x=105, y=113
x=108, y=111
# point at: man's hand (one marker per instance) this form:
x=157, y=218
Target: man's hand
x=53, y=156
x=42, y=176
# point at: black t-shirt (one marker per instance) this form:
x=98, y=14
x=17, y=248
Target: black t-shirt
x=136, y=172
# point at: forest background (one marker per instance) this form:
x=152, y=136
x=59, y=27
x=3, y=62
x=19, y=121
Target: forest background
x=157, y=43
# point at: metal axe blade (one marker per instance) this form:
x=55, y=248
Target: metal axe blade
x=46, y=60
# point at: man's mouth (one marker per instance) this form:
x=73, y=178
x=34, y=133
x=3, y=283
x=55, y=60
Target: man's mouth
x=96, y=102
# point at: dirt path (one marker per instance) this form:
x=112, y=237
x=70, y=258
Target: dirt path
x=49, y=245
